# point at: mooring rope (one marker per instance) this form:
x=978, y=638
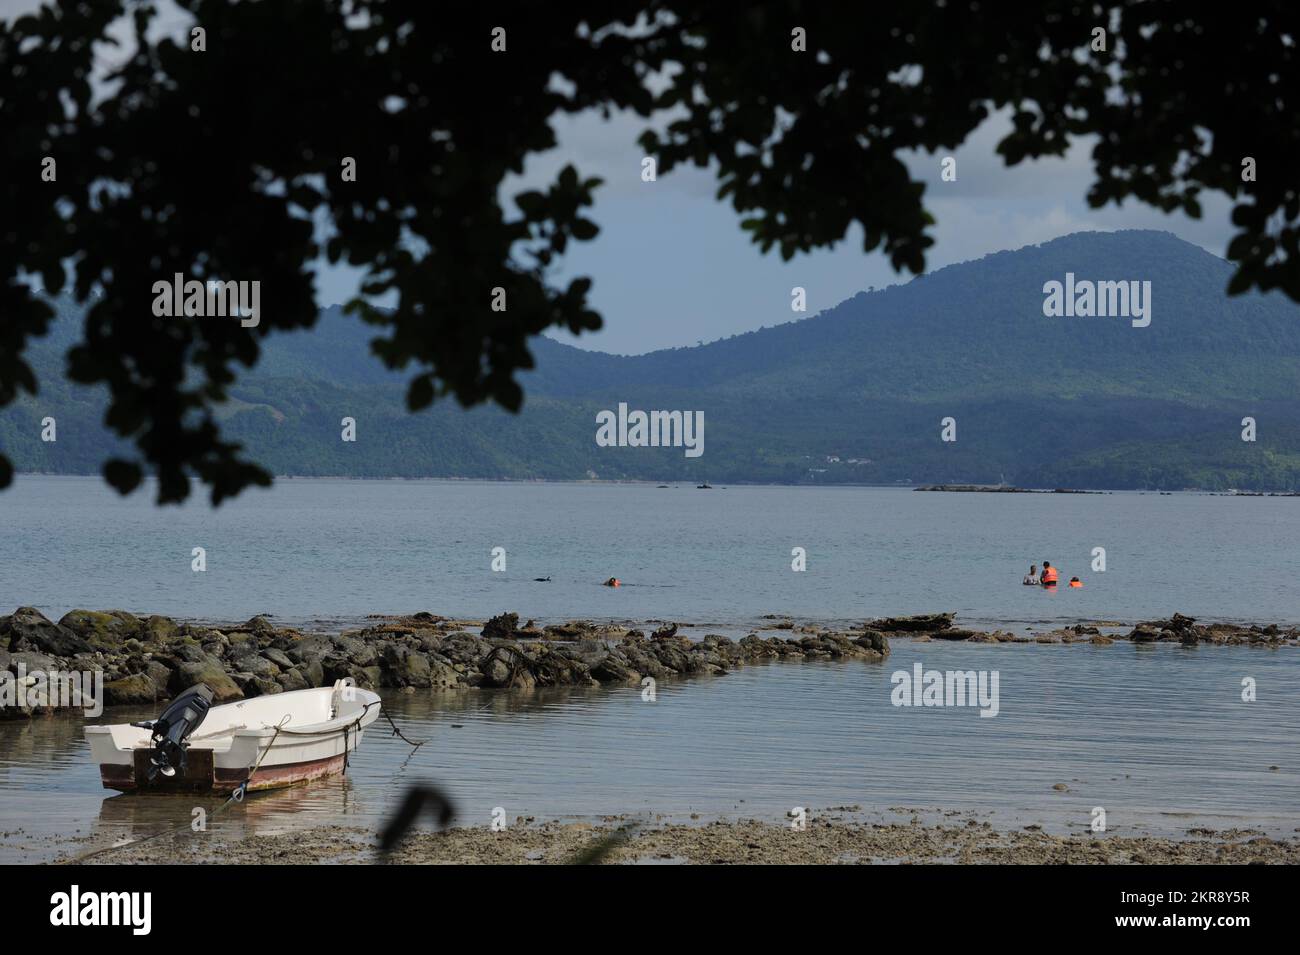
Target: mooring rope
x=396, y=732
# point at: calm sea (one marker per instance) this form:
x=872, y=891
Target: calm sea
x=340, y=549
x=1156, y=735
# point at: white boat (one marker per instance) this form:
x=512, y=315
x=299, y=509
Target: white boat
x=265, y=742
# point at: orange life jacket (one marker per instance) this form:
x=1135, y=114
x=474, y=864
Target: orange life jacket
x=1049, y=575
x=1076, y=583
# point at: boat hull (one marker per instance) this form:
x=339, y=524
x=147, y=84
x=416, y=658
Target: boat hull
x=264, y=743
x=200, y=776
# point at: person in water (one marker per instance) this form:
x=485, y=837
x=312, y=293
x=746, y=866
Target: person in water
x=1031, y=579
x=1076, y=582
x=1049, y=576
x=613, y=582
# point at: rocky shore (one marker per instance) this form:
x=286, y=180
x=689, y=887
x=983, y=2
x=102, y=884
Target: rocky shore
x=148, y=659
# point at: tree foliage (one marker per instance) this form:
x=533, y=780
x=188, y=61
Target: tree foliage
x=226, y=163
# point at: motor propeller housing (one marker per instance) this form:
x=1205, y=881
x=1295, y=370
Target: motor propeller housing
x=173, y=726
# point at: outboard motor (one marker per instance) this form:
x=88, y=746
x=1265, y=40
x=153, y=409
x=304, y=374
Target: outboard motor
x=170, y=730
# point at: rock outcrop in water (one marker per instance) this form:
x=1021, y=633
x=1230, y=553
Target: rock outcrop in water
x=145, y=660
x=148, y=659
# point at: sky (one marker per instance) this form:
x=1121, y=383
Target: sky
x=672, y=267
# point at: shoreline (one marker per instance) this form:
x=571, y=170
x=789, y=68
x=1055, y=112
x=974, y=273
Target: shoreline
x=689, y=483
x=828, y=838
x=147, y=660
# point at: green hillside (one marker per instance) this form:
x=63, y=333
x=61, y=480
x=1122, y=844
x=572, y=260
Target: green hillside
x=1039, y=401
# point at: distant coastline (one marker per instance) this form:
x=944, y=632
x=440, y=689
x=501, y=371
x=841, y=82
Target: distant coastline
x=691, y=484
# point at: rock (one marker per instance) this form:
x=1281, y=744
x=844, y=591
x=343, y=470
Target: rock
x=134, y=690
x=402, y=666
x=666, y=632
x=501, y=627
x=495, y=670
x=187, y=651
x=257, y=665
x=103, y=630
x=1101, y=640
x=357, y=651
x=955, y=634
x=567, y=631
x=291, y=680
x=671, y=655
x=258, y=624
x=313, y=673
x=429, y=642
x=1142, y=634
x=279, y=658
x=29, y=662
x=646, y=664
x=260, y=686
x=926, y=623
x=29, y=629
x=873, y=642
x=158, y=630
x=442, y=675
x=614, y=668
x=209, y=671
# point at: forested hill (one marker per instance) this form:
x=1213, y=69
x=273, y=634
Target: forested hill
x=855, y=394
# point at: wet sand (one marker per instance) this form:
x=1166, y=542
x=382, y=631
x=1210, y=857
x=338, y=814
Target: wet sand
x=738, y=842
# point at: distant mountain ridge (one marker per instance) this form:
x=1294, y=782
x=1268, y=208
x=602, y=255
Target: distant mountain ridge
x=854, y=394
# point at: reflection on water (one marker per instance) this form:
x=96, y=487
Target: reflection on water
x=1157, y=735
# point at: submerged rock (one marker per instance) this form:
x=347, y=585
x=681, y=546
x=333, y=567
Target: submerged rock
x=922, y=623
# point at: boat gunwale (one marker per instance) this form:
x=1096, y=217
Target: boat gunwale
x=363, y=718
